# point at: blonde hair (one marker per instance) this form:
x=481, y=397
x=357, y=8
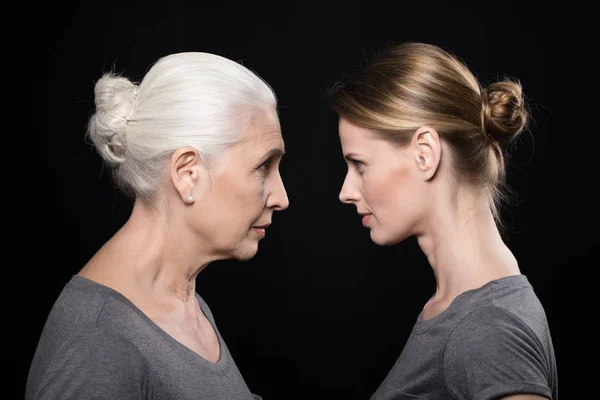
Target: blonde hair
x=411, y=85
x=186, y=99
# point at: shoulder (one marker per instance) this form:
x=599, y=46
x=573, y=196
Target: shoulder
x=487, y=322
x=489, y=331
x=97, y=361
x=492, y=351
x=103, y=342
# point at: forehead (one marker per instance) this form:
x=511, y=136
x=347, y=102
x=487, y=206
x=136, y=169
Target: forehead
x=351, y=134
x=263, y=132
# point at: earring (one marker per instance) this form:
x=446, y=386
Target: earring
x=190, y=199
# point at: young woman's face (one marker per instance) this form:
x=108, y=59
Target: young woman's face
x=383, y=183
x=246, y=190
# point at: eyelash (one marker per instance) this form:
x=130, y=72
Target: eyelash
x=358, y=166
x=264, y=167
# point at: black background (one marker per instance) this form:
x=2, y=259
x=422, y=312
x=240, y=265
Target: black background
x=321, y=312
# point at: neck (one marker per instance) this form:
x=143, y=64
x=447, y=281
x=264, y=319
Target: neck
x=151, y=252
x=464, y=247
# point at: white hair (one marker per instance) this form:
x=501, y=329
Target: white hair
x=186, y=99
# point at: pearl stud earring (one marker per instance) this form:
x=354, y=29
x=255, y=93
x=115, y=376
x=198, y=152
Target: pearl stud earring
x=190, y=199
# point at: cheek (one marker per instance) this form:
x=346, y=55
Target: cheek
x=386, y=190
x=240, y=199
x=395, y=201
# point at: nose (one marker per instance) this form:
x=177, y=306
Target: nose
x=349, y=193
x=278, y=199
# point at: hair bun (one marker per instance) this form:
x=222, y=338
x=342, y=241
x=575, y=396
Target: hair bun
x=115, y=101
x=504, y=112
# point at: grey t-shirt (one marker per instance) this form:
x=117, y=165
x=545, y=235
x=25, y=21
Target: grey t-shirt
x=490, y=342
x=96, y=344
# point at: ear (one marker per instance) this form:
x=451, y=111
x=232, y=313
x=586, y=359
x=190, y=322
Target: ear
x=428, y=151
x=186, y=171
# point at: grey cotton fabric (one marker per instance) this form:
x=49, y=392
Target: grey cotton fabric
x=96, y=344
x=490, y=342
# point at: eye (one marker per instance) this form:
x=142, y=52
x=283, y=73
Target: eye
x=265, y=167
x=359, y=166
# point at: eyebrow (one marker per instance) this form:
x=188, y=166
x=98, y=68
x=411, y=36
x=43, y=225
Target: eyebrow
x=350, y=156
x=274, y=153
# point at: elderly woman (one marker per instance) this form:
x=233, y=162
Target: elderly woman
x=197, y=145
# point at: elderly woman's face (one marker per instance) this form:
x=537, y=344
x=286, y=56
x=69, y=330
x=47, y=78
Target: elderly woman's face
x=246, y=190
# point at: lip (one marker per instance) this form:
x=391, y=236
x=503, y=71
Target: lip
x=265, y=226
x=261, y=229
x=365, y=219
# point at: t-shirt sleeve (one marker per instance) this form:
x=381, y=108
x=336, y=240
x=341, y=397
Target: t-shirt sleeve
x=96, y=366
x=492, y=353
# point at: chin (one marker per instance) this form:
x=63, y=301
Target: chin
x=246, y=251
x=387, y=239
